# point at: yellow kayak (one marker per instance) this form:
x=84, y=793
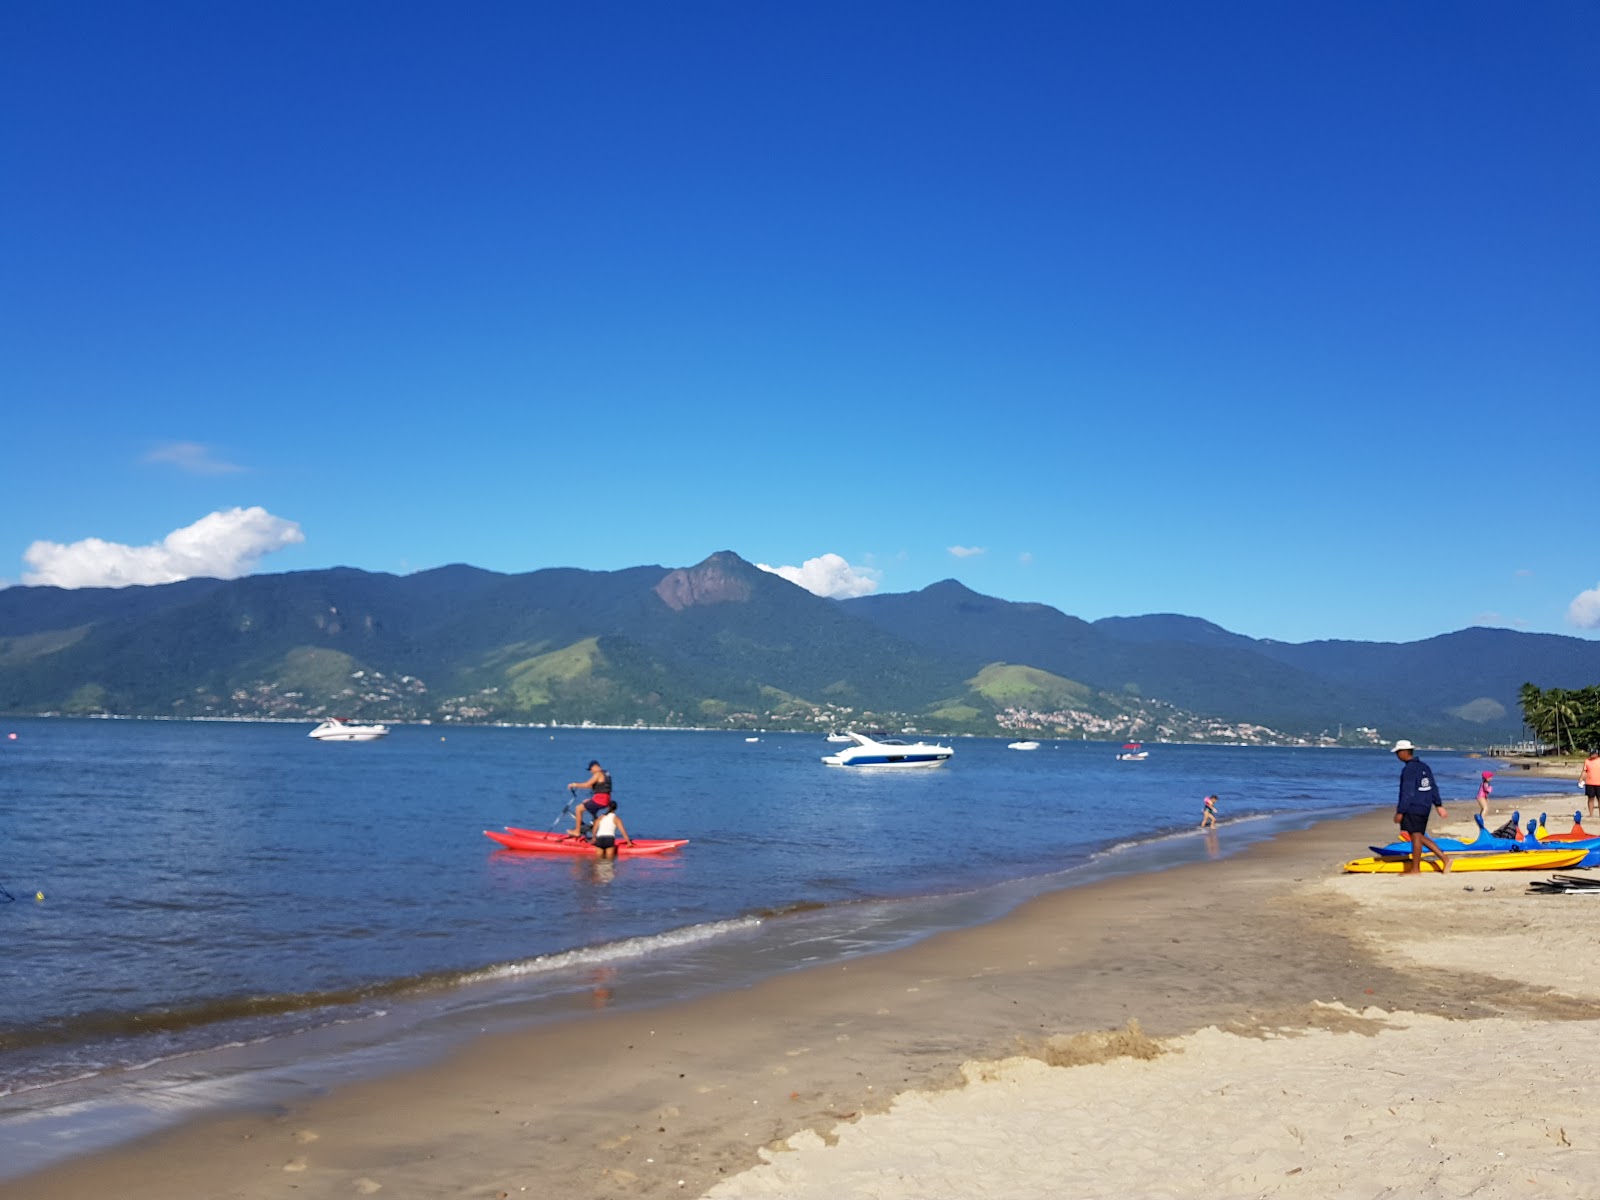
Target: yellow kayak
x=1515, y=860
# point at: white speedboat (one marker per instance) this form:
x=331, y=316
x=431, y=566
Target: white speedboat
x=888, y=752
x=840, y=738
x=1022, y=745
x=338, y=729
x=1133, y=752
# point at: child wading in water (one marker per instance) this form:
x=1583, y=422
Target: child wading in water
x=1208, y=813
x=1484, y=789
x=606, y=828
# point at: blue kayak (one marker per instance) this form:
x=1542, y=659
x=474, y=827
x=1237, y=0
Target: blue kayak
x=1484, y=841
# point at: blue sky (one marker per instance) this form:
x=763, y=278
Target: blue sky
x=1282, y=315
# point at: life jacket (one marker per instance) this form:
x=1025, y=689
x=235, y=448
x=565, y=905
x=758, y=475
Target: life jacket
x=603, y=788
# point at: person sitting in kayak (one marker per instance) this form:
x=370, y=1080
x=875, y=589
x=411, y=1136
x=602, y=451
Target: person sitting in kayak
x=606, y=828
x=599, y=785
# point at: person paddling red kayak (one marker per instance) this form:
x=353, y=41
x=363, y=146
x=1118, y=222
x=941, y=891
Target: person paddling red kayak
x=599, y=785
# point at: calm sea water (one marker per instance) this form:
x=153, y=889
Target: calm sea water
x=234, y=912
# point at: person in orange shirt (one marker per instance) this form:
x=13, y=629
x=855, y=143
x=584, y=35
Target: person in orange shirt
x=1591, y=781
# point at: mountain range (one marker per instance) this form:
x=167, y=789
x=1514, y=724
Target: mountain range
x=726, y=644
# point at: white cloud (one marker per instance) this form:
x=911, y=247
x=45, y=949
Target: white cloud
x=965, y=551
x=1499, y=620
x=223, y=545
x=191, y=457
x=1026, y=558
x=1522, y=572
x=1584, y=611
x=829, y=575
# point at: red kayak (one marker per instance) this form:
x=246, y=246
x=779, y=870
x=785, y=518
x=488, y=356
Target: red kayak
x=542, y=842
x=1576, y=834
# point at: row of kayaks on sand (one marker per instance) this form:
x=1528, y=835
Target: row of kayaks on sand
x=1536, y=850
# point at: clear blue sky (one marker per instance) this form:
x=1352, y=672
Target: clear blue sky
x=1282, y=315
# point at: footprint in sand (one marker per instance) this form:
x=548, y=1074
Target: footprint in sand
x=295, y=1164
x=306, y=1135
x=367, y=1186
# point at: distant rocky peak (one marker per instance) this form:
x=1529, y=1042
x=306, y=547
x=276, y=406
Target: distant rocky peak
x=724, y=578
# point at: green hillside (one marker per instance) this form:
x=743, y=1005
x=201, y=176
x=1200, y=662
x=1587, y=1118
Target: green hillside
x=723, y=643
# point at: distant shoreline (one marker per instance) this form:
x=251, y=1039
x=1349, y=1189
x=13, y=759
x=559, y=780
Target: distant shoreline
x=428, y=723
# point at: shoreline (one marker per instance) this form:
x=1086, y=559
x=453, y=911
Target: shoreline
x=1568, y=768
x=633, y=1102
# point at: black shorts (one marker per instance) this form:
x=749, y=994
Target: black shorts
x=597, y=804
x=1414, y=822
x=1592, y=791
x=604, y=843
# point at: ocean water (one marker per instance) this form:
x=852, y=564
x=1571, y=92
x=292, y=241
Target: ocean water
x=234, y=913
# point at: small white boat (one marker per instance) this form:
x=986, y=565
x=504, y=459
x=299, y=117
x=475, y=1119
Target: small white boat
x=888, y=752
x=1133, y=752
x=752, y=739
x=1022, y=745
x=841, y=738
x=339, y=729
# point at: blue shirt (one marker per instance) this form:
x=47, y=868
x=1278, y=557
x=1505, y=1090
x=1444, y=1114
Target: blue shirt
x=1418, y=791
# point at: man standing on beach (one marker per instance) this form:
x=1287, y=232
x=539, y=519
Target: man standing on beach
x=1419, y=795
x=1591, y=782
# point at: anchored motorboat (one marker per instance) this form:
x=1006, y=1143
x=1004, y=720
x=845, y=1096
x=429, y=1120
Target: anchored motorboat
x=340, y=729
x=888, y=752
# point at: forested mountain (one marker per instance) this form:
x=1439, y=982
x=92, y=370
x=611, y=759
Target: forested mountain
x=725, y=643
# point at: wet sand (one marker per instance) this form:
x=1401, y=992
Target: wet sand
x=1331, y=1017
x=1570, y=769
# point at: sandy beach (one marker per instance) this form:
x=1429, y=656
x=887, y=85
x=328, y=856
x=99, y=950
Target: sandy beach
x=1568, y=768
x=1253, y=1026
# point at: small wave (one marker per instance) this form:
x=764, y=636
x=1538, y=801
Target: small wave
x=793, y=909
x=635, y=947
x=101, y=1026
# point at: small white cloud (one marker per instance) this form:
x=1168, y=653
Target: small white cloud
x=191, y=457
x=829, y=575
x=1026, y=558
x=1584, y=611
x=223, y=545
x=965, y=551
x=1499, y=620
x=1522, y=572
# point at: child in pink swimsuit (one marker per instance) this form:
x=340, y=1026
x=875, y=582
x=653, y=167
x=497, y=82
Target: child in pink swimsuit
x=1483, y=793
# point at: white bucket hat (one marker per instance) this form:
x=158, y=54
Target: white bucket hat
x=1402, y=744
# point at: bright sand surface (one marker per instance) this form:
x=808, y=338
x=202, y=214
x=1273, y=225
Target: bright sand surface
x=1296, y=1033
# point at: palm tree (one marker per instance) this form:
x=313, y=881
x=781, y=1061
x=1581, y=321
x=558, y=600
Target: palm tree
x=1536, y=711
x=1564, y=715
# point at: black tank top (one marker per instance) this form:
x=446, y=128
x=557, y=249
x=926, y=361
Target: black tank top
x=603, y=788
